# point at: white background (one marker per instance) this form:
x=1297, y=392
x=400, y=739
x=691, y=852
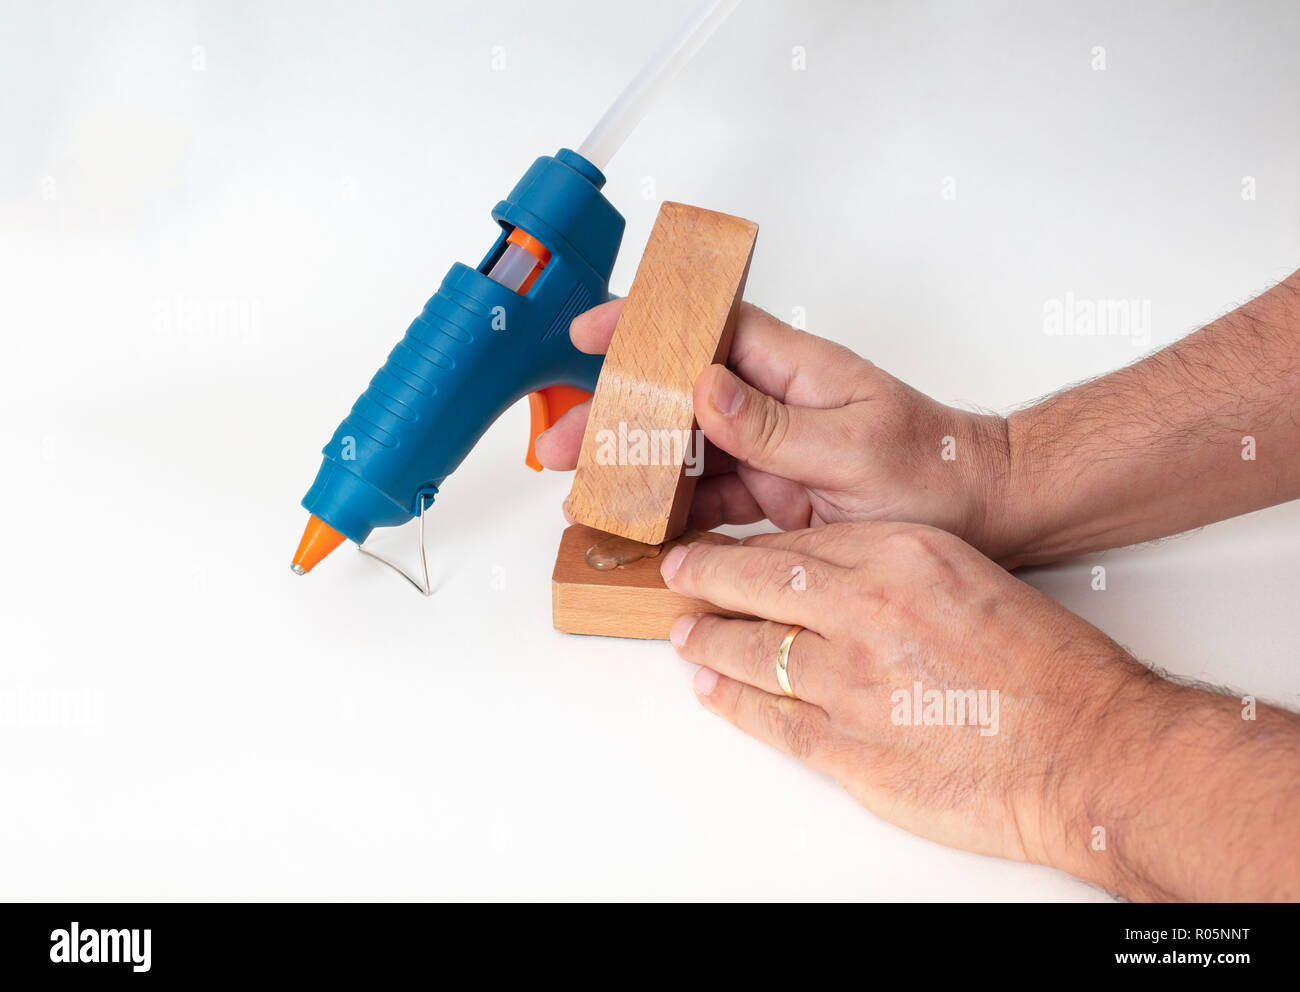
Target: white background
x=216, y=220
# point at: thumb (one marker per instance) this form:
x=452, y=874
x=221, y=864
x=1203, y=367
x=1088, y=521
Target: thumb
x=764, y=433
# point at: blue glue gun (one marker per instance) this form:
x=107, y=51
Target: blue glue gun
x=488, y=337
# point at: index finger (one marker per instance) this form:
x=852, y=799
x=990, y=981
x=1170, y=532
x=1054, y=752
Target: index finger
x=787, y=364
x=592, y=330
x=774, y=584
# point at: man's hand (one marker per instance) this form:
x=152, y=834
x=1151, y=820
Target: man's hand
x=959, y=703
x=804, y=432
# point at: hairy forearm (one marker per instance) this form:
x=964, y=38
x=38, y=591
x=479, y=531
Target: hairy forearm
x=1202, y=430
x=1185, y=794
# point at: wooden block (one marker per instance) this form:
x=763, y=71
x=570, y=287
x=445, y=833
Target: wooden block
x=629, y=601
x=679, y=319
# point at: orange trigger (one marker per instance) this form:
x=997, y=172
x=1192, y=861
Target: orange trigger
x=545, y=407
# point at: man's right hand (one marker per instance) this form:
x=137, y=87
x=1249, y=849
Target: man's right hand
x=804, y=432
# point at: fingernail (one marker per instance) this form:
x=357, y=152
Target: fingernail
x=682, y=629
x=673, y=561
x=705, y=680
x=726, y=395
x=564, y=508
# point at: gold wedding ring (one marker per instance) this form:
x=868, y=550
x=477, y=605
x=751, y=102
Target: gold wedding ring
x=783, y=660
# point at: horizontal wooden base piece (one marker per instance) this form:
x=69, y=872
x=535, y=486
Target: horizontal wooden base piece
x=628, y=601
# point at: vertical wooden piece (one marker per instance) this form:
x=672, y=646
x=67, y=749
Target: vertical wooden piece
x=680, y=316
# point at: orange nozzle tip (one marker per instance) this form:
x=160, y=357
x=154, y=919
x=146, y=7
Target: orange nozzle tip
x=318, y=540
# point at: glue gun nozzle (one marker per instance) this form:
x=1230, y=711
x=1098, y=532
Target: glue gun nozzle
x=318, y=540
